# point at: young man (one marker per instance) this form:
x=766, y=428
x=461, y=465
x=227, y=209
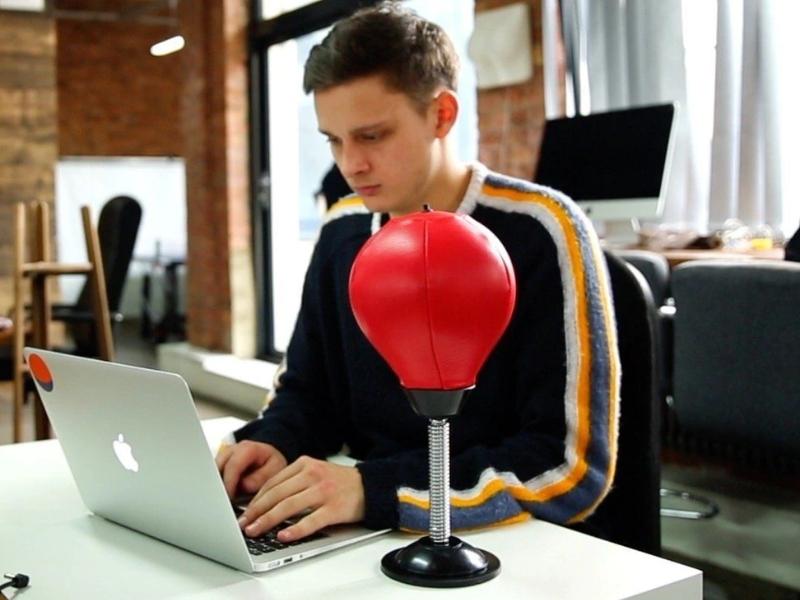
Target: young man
x=537, y=436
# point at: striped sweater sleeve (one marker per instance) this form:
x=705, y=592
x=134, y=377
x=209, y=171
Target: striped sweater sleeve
x=532, y=473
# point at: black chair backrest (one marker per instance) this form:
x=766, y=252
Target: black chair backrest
x=737, y=357
x=117, y=228
x=630, y=513
x=792, y=249
x=655, y=269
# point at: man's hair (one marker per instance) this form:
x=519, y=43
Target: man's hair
x=414, y=55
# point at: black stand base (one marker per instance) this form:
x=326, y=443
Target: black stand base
x=427, y=564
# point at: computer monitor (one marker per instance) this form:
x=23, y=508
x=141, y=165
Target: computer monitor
x=615, y=164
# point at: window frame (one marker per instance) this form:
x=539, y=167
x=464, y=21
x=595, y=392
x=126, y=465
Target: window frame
x=265, y=33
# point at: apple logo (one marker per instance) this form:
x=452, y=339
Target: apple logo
x=124, y=454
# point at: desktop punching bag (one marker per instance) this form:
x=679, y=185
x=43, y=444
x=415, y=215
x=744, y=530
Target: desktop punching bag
x=433, y=292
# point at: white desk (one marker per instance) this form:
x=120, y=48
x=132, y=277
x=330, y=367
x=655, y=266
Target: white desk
x=47, y=533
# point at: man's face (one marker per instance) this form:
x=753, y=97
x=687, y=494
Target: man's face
x=381, y=142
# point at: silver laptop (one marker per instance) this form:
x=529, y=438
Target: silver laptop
x=139, y=457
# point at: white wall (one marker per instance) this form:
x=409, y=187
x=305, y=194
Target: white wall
x=158, y=184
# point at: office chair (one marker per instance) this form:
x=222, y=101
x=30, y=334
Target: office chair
x=630, y=513
x=117, y=228
x=792, y=249
x=656, y=271
x=737, y=353
x=6, y=338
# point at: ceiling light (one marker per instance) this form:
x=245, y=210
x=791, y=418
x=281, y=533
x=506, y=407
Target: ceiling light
x=167, y=46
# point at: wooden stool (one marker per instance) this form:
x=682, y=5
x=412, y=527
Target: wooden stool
x=38, y=270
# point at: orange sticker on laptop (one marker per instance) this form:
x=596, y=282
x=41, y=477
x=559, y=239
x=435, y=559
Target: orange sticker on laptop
x=41, y=372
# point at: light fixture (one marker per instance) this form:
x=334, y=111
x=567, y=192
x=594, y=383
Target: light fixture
x=174, y=42
x=168, y=46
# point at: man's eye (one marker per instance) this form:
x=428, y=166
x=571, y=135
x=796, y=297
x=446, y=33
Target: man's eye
x=371, y=137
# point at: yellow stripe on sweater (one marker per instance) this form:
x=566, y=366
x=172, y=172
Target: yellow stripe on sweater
x=613, y=409
x=494, y=486
x=341, y=206
x=584, y=354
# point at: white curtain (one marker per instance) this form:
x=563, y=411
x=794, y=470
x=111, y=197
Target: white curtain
x=727, y=65
x=753, y=123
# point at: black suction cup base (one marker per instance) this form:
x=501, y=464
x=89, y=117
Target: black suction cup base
x=427, y=564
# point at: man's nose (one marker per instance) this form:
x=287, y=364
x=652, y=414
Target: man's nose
x=352, y=161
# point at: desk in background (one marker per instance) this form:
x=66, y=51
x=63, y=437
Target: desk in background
x=676, y=257
x=46, y=533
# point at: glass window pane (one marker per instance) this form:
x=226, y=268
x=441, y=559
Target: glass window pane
x=299, y=158
x=273, y=8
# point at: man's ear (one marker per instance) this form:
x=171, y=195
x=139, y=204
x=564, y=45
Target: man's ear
x=446, y=106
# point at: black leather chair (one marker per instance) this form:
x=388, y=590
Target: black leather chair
x=655, y=269
x=630, y=513
x=117, y=228
x=792, y=249
x=737, y=362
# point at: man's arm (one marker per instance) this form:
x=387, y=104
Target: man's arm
x=277, y=456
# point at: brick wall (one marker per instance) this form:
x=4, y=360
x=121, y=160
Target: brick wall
x=28, y=124
x=511, y=119
x=115, y=99
x=220, y=287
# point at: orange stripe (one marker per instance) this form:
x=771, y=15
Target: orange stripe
x=490, y=489
x=584, y=348
x=613, y=390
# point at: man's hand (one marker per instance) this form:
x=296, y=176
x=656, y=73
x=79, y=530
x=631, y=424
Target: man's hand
x=333, y=493
x=246, y=466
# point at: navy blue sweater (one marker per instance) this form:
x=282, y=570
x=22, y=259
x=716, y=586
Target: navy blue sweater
x=537, y=435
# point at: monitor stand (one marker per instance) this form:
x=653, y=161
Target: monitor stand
x=623, y=233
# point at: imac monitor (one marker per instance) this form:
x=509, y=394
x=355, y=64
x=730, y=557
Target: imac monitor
x=615, y=164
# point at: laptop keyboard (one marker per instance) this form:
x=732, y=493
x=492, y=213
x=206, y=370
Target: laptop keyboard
x=269, y=541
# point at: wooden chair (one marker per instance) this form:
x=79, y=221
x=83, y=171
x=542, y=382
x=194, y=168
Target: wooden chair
x=37, y=270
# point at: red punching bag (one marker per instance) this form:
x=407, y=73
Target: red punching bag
x=433, y=292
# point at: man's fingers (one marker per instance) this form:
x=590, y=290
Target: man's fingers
x=253, y=482
x=268, y=498
x=233, y=470
x=334, y=494
x=309, y=524
x=284, y=474
x=288, y=507
x=223, y=454
x=242, y=458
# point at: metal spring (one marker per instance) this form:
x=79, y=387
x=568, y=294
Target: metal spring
x=439, y=479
